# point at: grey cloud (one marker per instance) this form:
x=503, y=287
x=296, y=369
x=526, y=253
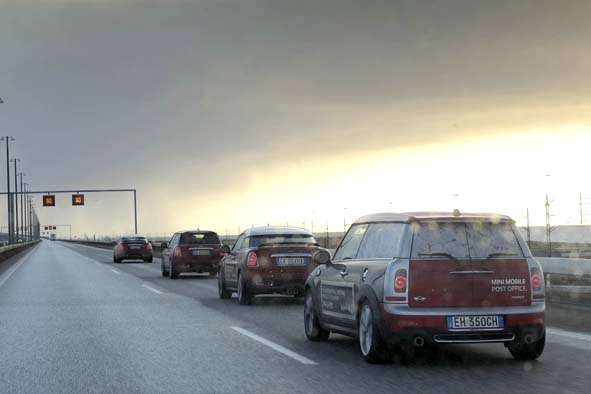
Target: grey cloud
x=97, y=91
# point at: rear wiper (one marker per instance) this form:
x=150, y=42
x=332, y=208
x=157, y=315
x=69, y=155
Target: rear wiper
x=438, y=254
x=500, y=254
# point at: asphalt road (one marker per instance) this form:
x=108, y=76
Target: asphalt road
x=72, y=321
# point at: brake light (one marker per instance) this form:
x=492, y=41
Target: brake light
x=252, y=260
x=400, y=281
x=149, y=246
x=536, y=280
x=178, y=252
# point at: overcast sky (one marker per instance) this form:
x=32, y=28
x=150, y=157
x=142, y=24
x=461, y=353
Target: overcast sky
x=232, y=113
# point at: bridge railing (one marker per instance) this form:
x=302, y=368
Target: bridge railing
x=11, y=250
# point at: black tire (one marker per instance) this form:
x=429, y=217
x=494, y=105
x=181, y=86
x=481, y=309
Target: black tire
x=222, y=292
x=244, y=296
x=314, y=332
x=172, y=274
x=149, y=260
x=371, y=345
x=524, y=352
x=165, y=272
x=114, y=259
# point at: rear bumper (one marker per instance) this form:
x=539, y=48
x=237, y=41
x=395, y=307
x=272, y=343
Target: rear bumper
x=197, y=264
x=136, y=255
x=197, y=268
x=400, y=323
x=270, y=283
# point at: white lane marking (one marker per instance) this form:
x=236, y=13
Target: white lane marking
x=274, y=346
x=569, y=334
x=152, y=289
x=115, y=271
x=4, y=278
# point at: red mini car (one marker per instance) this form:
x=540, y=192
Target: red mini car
x=133, y=248
x=191, y=251
x=403, y=281
x=267, y=260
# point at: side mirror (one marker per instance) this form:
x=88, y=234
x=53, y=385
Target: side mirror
x=164, y=245
x=225, y=249
x=321, y=257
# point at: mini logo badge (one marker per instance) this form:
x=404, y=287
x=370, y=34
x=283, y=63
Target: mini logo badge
x=420, y=298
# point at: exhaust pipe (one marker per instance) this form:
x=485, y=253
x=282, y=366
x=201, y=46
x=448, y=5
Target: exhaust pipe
x=418, y=341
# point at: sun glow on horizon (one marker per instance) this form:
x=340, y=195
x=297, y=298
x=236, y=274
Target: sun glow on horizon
x=505, y=174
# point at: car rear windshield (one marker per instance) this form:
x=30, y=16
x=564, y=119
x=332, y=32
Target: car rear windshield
x=134, y=240
x=257, y=240
x=492, y=240
x=479, y=240
x=200, y=239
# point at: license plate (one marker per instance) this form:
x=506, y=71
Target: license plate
x=475, y=322
x=291, y=261
x=202, y=252
x=135, y=247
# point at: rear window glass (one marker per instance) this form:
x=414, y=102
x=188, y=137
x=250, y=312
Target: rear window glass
x=258, y=240
x=381, y=240
x=490, y=240
x=128, y=240
x=200, y=239
x=439, y=240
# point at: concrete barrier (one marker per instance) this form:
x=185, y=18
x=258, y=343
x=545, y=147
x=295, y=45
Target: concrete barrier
x=8, y=251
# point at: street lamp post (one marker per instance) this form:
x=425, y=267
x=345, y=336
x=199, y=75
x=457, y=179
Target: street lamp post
x=22, y=210
x=8, y=195
x=15, y=199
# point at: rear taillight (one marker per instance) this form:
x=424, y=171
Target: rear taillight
x=252, y=260
x=400, y=281
x=178, y=252
x=536, y=280
x=149, y=246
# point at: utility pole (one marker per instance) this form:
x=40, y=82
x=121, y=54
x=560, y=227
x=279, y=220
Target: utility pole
x=8, y=195
x=528, y=231
x=548, y=229
x=30, y=221
x=135, y=209
x=22, y=210
x=15, y=199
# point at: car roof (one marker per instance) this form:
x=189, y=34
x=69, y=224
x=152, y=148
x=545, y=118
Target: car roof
x=408, y=217
x=196, y=232
x=275, y=230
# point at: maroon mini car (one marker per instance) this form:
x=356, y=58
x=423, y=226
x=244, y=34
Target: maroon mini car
x=398, y=282
x=132, y=248
x=191, y=251
x=267, y=260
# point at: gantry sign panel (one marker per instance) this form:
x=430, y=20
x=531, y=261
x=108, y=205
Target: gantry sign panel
x=77, y=200
x=49, y=200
